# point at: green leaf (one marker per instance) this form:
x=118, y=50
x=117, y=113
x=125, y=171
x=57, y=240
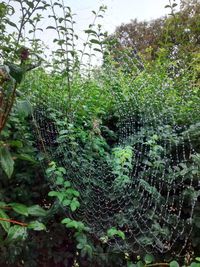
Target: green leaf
x=26, y=157
x=94, y=41
x=12, y=24
x=16, y=232
x=148, y=258
x=98, y=50
x=74, y=205
x=66, y=220
x=5, y=225
x=51, y=28
x=197, y=259
x=30, y=4
x=113, y=231
x=59, y=180
x=72, y=224
x=80, y=246
x=6, y=160
x=130, y=264
x=52, y=194
x=174, y=264
x=19, y=208
x=195, y=264
x=16, y=143
x=90, y=31
x=37, y=226
x=36, y=210
x=140, y=264
x=24, y=108
x=66, y=202
x=67, y=184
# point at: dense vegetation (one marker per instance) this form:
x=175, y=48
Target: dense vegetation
x=88, y=151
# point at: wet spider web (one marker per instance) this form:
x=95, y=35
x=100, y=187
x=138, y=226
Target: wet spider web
x=153, y=201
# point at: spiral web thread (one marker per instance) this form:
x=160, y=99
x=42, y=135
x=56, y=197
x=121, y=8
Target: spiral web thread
x=149, y=207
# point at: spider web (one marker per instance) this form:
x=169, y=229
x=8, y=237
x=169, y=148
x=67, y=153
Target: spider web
x=148, y=204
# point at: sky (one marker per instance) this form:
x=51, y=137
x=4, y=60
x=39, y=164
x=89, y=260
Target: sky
x=118, y=12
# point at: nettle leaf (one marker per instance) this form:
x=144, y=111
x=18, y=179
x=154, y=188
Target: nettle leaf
x=5, y=225
x=20, y=208
x=36, y=210
x=37, y=226
x=16, y=232
x=6, y=161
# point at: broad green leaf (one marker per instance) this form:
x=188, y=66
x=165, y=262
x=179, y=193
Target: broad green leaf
x=140, y=264
x=148, y=258
x=72, y=224
x=174, y=264
x=94, y=41
x=24, y=108
x=80, y=246
x=74, y=205
x=36, y=210
x=66, y=202
x=16, y=143
x=195, y=264
x=37, y=226
x=20, y=208
x=130, y=264
x=113, y=231
x=91, y=31
x=26, y=157
x=16, y=232
x=59, y=180
x=66, y=220
x=67, y=184
x=5, y=225
x=6, y=160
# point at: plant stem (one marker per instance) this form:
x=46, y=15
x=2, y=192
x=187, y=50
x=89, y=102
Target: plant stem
x=15, y=222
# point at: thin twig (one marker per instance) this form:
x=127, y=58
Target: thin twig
x=15, y=222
